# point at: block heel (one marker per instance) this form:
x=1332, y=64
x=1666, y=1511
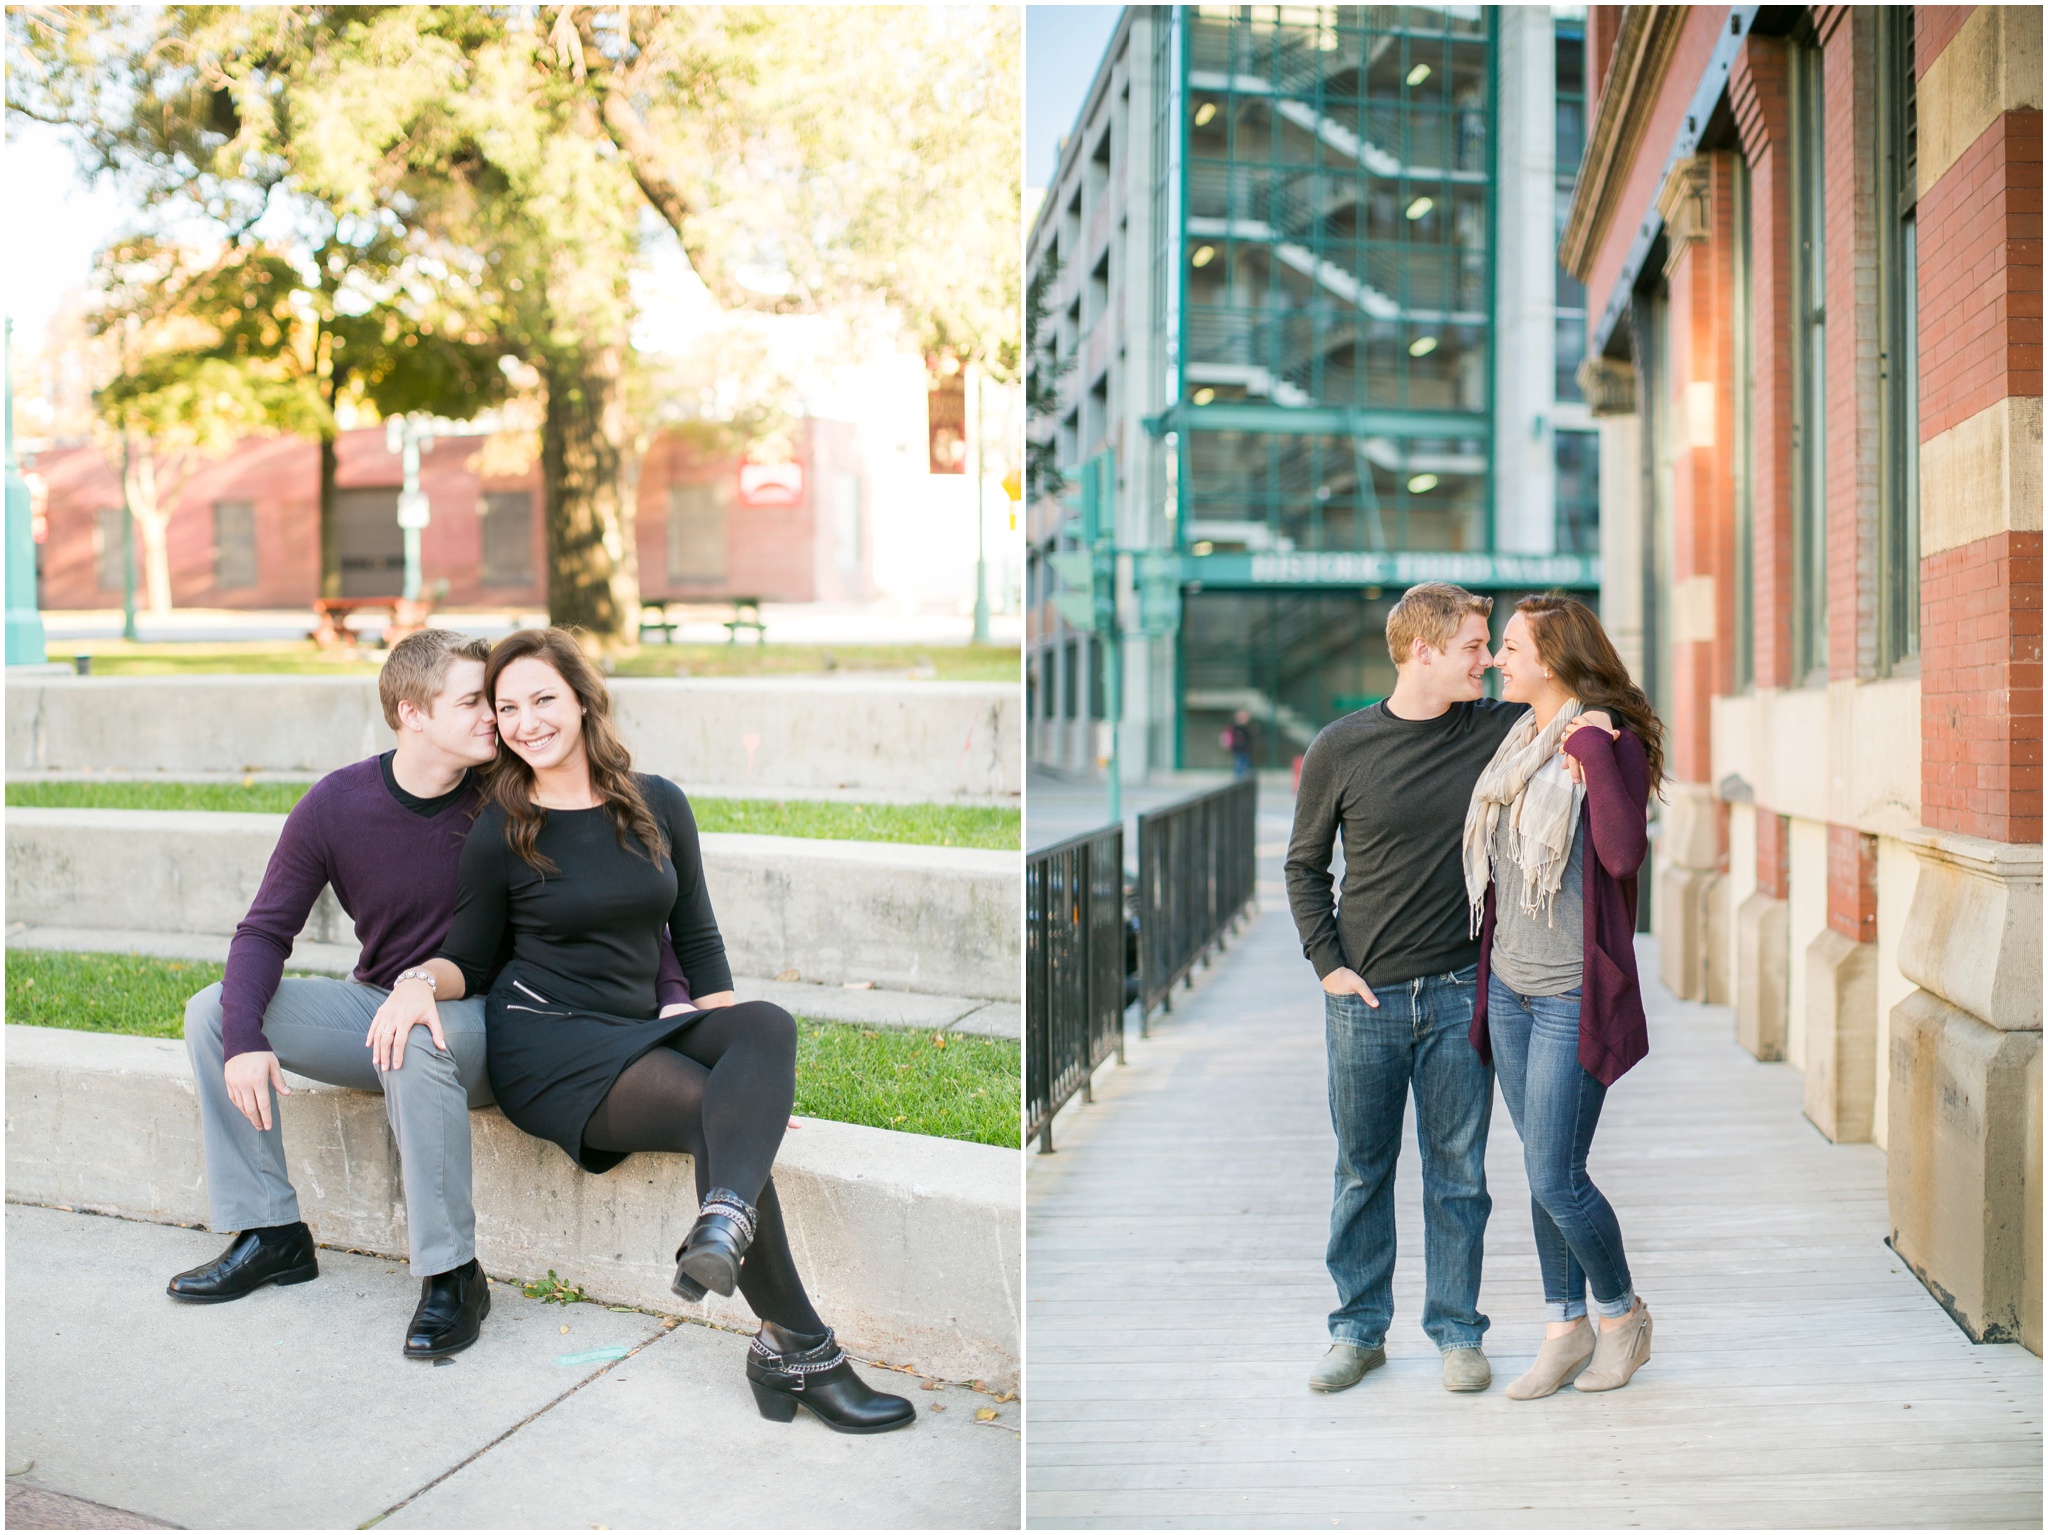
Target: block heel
x=775, y=1407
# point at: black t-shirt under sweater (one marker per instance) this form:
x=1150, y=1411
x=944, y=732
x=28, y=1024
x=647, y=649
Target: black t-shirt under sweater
x=1398, y=789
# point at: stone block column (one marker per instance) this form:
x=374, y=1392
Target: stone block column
x=1964, y=1139
x=1761, y=934
x=1841, y=994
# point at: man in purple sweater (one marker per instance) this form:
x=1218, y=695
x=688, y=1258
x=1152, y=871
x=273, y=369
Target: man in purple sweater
x=387, y=834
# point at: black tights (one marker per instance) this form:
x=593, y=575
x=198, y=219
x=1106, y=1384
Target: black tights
x=722, y=1091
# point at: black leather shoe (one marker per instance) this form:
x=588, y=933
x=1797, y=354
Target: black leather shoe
x=709, y=1258
x=792, y=1369
x=451, y=1312
x=259, y=1256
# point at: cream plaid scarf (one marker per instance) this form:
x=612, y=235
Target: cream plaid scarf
x=1526, y=780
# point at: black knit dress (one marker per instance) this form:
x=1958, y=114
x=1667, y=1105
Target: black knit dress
x=576, y=1004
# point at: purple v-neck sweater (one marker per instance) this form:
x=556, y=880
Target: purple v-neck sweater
x=393, y=871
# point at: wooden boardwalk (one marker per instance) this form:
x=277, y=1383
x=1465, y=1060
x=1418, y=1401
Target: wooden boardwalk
x=1802, y=1377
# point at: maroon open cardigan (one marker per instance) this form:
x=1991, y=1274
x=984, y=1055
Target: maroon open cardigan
x=1613, y=1035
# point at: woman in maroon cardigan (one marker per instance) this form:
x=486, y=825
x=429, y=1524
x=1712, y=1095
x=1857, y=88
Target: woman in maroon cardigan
x=1553, y=841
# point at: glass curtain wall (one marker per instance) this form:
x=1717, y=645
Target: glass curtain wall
x=1336, y=267
x=1336, y=247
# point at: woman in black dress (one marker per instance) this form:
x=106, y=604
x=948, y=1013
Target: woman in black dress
x=585, y=862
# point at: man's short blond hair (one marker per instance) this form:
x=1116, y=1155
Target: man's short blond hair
x=1430, y=612
x=417, y=669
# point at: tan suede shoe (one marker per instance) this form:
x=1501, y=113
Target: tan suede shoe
x=1619, y=1353
x=1560, y=1359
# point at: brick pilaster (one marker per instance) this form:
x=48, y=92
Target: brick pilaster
x=1852, y=883
x=1757, y=91
x=1980, y=352
x=1774, y=854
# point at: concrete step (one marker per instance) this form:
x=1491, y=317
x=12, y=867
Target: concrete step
x=951, y=742
x=831, y=1004
x=248, y=1401
x=909, y=1244
x=940, y=921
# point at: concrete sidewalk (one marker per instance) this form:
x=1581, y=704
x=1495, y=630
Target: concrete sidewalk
x=293, y=1408
x=1177, y=1299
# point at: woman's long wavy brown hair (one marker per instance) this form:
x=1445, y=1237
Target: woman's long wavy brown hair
x=508, y=781
x=1571, y=642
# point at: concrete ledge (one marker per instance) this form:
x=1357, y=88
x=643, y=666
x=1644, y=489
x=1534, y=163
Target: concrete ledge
x=946, y=921
x=949, y=741
x=909, y=1244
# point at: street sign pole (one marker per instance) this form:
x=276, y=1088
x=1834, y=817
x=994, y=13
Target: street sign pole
x=24, y=621
x=980, y=520
x=405, y=436
x=127, y=541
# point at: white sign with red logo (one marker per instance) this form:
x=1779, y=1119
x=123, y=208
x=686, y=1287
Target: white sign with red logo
x=771, y=484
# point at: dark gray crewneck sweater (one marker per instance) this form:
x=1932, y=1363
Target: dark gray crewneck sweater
x=1398, y=790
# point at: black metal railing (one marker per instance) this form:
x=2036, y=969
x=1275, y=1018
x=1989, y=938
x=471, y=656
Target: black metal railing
x=1197, y=874
x=1073, y=970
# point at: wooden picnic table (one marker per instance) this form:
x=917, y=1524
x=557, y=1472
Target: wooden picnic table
x=668, y=613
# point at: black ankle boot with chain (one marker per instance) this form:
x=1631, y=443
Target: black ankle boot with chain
x=791, y=1369
x=709, y=1258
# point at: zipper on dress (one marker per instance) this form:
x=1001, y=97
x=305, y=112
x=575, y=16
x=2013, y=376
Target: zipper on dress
x=530, y=991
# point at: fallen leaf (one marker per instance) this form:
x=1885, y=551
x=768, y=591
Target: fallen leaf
x=565, y=1327
x=986, y=1415
x=789, y=975
x=938, y=1406
x=1007, y=1396
x=930, y=1385
x=856, y=985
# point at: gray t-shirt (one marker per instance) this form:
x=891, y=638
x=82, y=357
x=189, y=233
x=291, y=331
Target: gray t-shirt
x=1535, y=957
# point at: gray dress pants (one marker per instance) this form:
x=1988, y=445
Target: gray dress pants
x=317, y=1026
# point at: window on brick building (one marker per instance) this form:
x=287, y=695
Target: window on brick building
x=696, y=532
x=1070, y=674
x=1809, y=368
x=1576, y=456
x=1898, y=362
x=1742, y=307
x=234, y=544
x=108, y=524
x=508, y=538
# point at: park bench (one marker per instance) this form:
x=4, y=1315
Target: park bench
x=406, y=616
x=667, y=613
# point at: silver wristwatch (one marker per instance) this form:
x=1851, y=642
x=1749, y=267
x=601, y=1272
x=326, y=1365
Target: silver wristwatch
x=419, y=975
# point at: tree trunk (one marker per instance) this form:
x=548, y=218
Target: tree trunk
x=589, y=520
x=330, y=525
x=151, y=523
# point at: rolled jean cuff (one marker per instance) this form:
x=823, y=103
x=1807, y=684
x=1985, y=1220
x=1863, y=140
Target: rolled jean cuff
x=1563, y=1310
x=1356, y=1341
x=1614, y=1308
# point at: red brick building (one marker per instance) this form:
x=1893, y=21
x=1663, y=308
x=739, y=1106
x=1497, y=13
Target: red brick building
x=245, y=531
x=1811, y=239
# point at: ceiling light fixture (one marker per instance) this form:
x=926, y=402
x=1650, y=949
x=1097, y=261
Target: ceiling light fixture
x=1205, y=114
x=1420, y=206
x=1421, y=484
x=1418, y=74
x=1204, y=396
x=1204, y=255
x=1422, y=346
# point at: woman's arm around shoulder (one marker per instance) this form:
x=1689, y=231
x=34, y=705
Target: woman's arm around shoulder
x=1617, y=797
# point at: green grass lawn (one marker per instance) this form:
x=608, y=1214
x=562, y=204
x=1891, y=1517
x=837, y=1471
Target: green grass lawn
x=957, y=1086
x=946, y=663
x=926, y=825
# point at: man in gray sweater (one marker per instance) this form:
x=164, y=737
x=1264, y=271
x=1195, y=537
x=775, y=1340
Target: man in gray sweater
x=1398, y=963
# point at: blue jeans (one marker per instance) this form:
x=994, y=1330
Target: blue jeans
x=1555, y=1104
x=1415, y=1038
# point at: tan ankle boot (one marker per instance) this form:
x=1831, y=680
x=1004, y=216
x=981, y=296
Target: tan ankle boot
x=1620, y=1352
x=1560, y=1359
